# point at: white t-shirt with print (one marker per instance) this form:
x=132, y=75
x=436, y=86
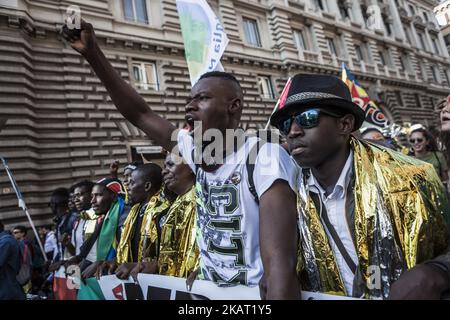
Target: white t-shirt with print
x=227, y=213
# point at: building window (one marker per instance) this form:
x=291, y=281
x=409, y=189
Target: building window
x=417, y=98
x=423, y=70
x=447, y=78
x=412, y=10
x=135, y=10
x=402, y=63
x=343, y=10
x=319, y=4
x=388, y=28
x=435, y=45
x=425, y=16
x=359, y=53
x=300, y=40
x=332, y=46
x=251, y=32
x=387, y=25
x=435, y=72
x=364, y=12
x=407, y=35
x=145, y=76
x=382, y=55
x=399, y=97
x=265, y=87
x=405, y=62
x=422, y=40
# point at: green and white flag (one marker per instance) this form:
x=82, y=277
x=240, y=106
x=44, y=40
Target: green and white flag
x=203, y=35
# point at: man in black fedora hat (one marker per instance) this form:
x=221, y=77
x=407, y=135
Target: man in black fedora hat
x=370, y=219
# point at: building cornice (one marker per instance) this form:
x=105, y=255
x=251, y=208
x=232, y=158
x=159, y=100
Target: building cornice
x=119, y=41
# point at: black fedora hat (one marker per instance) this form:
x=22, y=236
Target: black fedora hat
x=312, y=90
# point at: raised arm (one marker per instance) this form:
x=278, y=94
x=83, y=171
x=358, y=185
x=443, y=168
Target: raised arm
x=129, y=103
x=278, y=241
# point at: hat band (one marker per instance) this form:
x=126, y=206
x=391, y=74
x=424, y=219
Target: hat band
x=311, y=95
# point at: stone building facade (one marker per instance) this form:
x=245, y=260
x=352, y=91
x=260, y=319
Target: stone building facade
x=63, y=128
x=442, y=13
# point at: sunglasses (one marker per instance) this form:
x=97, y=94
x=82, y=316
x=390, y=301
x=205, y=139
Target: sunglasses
x=418, y=140
x=306, y=120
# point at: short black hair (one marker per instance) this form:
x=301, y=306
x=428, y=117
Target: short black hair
x=222, y=75
x=2, y=227
x=22, y=229
x=85, y=183
x=153, y=173
x=61, y=192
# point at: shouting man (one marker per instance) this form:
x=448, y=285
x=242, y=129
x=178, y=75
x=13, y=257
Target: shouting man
x=246, y=218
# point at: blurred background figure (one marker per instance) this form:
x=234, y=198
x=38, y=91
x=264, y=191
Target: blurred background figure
x=443, y=108
x=376, y=136
x=26, y=261
x=10, y=288
x=372, y=133
x=64, y=218
x=424, y=147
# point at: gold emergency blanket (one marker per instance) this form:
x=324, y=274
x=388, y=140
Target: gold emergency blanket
x=148, y=233
x=399, y=209
x=91, y=222
x=179, y=252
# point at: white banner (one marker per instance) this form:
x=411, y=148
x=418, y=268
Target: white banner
x=157, y=287
x=203, y=35
x=115, y=289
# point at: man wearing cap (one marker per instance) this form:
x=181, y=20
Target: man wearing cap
x=371, y=220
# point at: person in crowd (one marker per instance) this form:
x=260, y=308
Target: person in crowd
x=64, y=219
x=10, y=288
x=368, y=228
x=71, y=203
x=49, y=242
x=84, y=224
x=443, y=110
x=139, y=238
x=216, y=102
x=178, y=253
x=26, y=254
x=20, y=233
x=425, y=148
x=108, y=204
x=127, y=171
x=178, y=249
x=372, y=133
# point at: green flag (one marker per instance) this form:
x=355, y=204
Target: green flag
x=90, y=291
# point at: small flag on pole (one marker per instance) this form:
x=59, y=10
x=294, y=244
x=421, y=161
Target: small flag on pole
x=281, y=100
x=22, y=204
x=204, y=37
x=374, y=115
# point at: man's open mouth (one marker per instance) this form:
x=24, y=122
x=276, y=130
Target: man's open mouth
x=445, y=117
x=190, y=122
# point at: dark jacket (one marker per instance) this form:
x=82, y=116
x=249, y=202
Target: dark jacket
x=9, y=268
